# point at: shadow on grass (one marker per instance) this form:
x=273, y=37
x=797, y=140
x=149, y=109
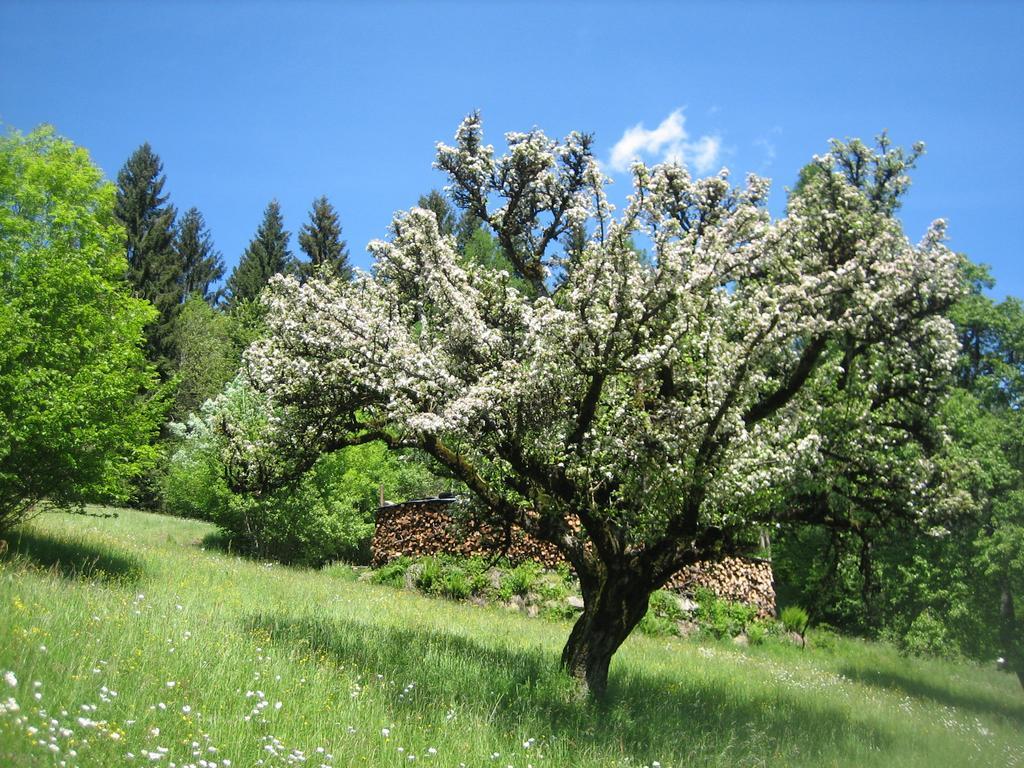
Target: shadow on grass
x=975, y=701
x=72, y=558
x=694, y=718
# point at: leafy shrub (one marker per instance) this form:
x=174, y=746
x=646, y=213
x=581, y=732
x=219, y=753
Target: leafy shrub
x=193, y=483
x=795, y=619
x=721, y=618
x=476, y=573
x=928, y=636
x=392, y=574
x=824, y=637
x=308, y=523
x=551, y=587
x=454, y=584
x=657, y=626
x=326, y=514
x=757, y=633
x=665, y=604
x=429, y=574
x=521, y=579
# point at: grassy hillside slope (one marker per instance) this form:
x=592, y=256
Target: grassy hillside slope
x=126, y=643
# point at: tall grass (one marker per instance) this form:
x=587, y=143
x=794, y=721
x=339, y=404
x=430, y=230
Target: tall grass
x=126, y=637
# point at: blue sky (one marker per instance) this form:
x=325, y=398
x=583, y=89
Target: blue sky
x=245, y=102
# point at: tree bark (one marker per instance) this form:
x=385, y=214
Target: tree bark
x=1009, y=632
x=613, y=606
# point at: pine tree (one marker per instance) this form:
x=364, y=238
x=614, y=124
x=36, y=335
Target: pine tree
x=443, y=211
x=266, y=255
x=202, y=265
x=154, y=270
x=321, y=241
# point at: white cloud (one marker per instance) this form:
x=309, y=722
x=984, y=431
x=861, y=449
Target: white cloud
x=668, y=142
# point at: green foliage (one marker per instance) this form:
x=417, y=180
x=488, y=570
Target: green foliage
x=193, y=484
x=201, y=264
x=722, y=618
x=927, y=636
x=454, y=584
x=305, y=523
x=522, y=579
x=320, y=239
x=392, y=574
x=952, y=591
x=245, y=324
x=74, y=424
x=795, y=619
x=657, y=626
x=154, y=266
x=666, y=604
x=266, y=255
x=324, y=514
x=207, y=355
x=757, y=633
x=663, y=612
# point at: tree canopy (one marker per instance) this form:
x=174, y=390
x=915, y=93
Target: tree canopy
x=201, y=263
x=320, y=239
x=74, y=425
x=154, y=268
x=266, y=255
x=640, y=414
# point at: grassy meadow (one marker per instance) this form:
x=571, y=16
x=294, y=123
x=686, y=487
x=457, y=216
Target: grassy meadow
x=124, y=642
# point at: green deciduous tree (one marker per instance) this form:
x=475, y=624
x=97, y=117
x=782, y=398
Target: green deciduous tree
x=207, y=355
x=201, y=264
x=74, y=423
x=266, y=255
x=320, y=239
x=154, y=267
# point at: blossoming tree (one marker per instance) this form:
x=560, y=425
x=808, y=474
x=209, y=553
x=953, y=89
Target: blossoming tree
x=638, y=410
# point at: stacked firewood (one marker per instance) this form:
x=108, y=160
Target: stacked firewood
x=426, y=527
x=740, y=580
x=423, y=527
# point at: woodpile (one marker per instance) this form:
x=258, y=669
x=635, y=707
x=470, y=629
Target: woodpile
x=739, y=580
x=423, y=527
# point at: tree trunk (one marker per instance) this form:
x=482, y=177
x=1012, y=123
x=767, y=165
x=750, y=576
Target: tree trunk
x=1009, y=632
x=612, y=608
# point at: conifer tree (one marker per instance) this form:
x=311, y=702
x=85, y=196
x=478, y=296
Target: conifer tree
x=320, y=240
x=202, y=265
x=443, y=211
x=154, y=270
x=266, y=255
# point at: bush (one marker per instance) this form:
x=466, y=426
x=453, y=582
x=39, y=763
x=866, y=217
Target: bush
x=928, y=636
x=656, y=626
x=193, y=483
x=326, y=514
x=757, y=633
x=721, y=618
x=454, y=584
x=476, y=572
x=521, y=579
x=665, y=604
x=824, y=638
x=392, y=574
x=429, y=574
x=795, y=619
